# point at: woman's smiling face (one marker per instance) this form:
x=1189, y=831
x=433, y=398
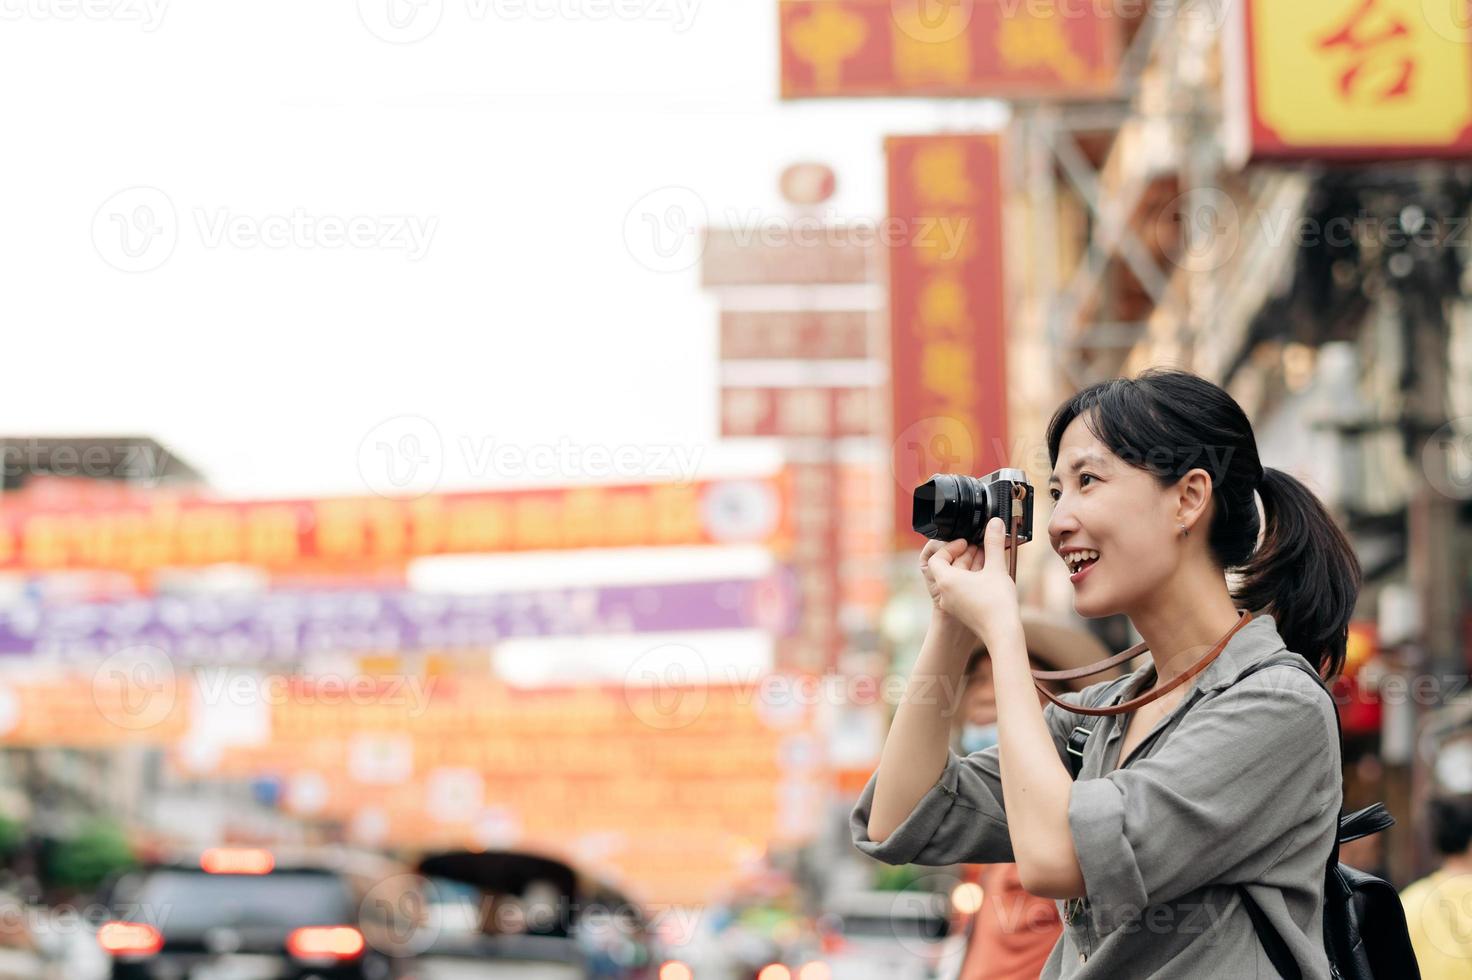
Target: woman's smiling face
x=1103, y=505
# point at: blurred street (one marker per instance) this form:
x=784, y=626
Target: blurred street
x=458, y=517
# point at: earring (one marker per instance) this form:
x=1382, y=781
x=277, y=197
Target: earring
x=1183, y=529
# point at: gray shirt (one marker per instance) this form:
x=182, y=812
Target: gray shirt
x=1239, y=784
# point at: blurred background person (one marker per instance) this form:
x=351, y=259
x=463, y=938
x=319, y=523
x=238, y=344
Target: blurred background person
x=1439, y=906
x=1013, y=932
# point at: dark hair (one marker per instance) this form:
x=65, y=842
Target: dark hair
x=1169, y=422
x=1451, y=823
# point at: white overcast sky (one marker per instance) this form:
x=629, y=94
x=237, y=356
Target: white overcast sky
x=526, y=139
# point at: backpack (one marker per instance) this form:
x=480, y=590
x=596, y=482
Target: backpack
x=1365, y=930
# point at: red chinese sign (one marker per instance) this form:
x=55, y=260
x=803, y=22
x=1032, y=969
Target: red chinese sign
x=1002, y=48
x=1350, y=79
x=799, y=412
x=795, y=335
x=948, y=316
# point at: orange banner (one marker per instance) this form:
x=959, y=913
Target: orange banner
x=948, y=315
x=172, y=531
x=475, y=763
x=112, y=704
x=1351, y=79
x=1001, y=48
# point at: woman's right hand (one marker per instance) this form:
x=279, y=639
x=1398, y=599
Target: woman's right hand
x=962, y=555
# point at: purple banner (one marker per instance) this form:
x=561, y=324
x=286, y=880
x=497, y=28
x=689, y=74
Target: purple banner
x=276, y=626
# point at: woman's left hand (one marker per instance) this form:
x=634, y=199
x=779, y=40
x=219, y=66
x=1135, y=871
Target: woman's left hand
x=976, y=589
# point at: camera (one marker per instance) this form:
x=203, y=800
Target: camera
x=950, y=506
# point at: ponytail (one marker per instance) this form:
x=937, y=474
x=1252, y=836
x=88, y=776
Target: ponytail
x=1304, y=573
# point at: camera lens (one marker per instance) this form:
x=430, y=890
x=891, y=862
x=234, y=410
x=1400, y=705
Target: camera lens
x=949, y=506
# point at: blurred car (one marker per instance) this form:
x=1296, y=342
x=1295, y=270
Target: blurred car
x=884, y=935
x=251, y=914
x=511, y=915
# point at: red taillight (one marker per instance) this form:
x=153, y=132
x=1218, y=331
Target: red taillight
x=237, y=861
x=130, y=938
x=325, y=943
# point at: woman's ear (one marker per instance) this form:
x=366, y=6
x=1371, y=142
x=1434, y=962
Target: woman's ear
x=1194, y=493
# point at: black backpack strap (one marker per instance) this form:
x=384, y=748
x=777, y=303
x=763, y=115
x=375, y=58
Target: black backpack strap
x=1272, y=943
x=1078, y=738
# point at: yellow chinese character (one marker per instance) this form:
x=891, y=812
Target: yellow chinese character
x=1039, y=42
x=939, y=241
x=942, y=308
x=826, y=39
x=945, y=370
x=924, y=56
x=1369, y=52
x=939, y=175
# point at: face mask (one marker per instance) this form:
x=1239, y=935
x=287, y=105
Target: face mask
x=974, y=738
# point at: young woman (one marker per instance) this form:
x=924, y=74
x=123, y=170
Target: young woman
x=1219, y=785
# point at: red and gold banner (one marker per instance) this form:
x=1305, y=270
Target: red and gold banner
x=948, y=316
x=806, y=411
x=171, y=531
x=1351, y=79
x=804, y=335
x=1001, y=48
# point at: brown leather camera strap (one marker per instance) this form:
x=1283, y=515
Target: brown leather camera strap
x=1244, y=617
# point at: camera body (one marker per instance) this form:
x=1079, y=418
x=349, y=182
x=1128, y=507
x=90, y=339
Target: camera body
x=950, y=506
